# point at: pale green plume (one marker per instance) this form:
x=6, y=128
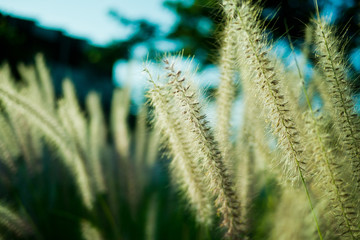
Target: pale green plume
x=119, y=112
x=252, y=41
x=5, y=74
x=96, y=140
x=321, y=87
x=22, y=134
x=246, y=167
x=28, y=138
x=73, y=119
x=330, y=172
x=253, y=116
x=45, y=80
x=184, y=165
x=226, y=93
x=219, y=182
x=331, y=175
x=333, y=66
x=9, y=148
x=309, y=35
x=32, y=89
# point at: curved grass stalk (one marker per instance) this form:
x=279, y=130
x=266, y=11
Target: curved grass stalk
x=219, y=181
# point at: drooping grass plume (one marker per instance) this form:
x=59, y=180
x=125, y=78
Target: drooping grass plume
x=245, y=173
x=308, y=41
x=331, y=175
x=47, y=89
x=330, y=171
x=205, y=148
x=28, y=75
x=252, y=117
x=119, y=112
x=333, y=66
x=73, y=118
x=320, y=86
x=184, y=165
x=30, y=138
x=96, y=140
x=226, y=93
x=5, y=74
x=9, y=148
x=19, y=124
x=252, y=40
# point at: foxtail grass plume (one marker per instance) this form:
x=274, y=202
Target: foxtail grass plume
x=333, y=66
x=96, y=140
x=217, y=179
x=226, y=93
x=184, y=165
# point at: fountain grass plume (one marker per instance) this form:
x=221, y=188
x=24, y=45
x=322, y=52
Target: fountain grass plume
x=219, y=181
x=252, y=40
x=184, y=165
x=333, y=65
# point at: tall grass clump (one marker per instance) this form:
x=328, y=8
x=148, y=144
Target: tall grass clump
x=209, y=161
x=288, y=168
x=318, y=151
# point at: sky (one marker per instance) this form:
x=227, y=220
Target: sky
x=89, y=19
